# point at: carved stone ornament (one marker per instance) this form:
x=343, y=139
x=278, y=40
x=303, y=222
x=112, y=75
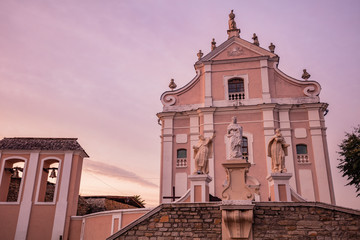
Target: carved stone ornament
x=272, y=47
x=236, y=187
x=235, y=51
x=199, y=54
x=277, y=150
x=202, y=152
x=213, y=44
x=305, y=75
x=172, y=84
x=234, y=133
x=256, y=40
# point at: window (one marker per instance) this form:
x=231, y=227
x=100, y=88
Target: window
x=11, y=180
x=244, y=146
x=48, y=181
x=302, y=154
x=236, y=89
x=181, y=160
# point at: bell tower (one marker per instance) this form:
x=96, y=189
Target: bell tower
x=39, y=186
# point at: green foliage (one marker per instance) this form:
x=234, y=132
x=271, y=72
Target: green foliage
x=350, y=158
x=140, y=200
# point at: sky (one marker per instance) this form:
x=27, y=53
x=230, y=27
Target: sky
x=95, y=70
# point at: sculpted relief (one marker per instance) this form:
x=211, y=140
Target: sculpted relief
x=277, y=150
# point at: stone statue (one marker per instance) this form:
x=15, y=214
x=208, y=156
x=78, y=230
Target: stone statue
x=256, y=40
x=277, y=150
x=232, y=23
x=234, y=133
x=305, y=75
x=202, y=152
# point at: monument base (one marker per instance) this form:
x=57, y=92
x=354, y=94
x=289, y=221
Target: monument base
x=199, y=184
x=237, y=219
x=280, y=187
x=236, y=188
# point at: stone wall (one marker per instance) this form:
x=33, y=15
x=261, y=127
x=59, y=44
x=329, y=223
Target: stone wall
x=177, y=221
x=305, y=221
x=272, y=220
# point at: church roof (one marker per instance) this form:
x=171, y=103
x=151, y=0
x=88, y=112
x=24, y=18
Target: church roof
x=51, y=144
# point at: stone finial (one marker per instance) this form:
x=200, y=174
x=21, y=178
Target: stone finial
x=213, y=44
x=272, y=47
x=256, y=40
x=305, y=75
x=172, y=84
x=233, y=30
x=200, y=54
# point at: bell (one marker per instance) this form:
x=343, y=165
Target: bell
x=15, y=173
x=53, y=173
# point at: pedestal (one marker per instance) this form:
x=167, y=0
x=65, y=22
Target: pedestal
x=199, y=184
x=236, y=188
x=280, y=187
x=237, y=219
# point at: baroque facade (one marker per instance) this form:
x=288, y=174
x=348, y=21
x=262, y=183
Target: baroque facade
x=241, y=79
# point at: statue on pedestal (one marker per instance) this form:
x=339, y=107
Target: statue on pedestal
x=277, y=150
x=232, y=23
x=234, y=133
x=202, y=152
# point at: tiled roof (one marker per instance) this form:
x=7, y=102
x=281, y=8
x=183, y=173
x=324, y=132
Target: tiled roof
x=52, y=144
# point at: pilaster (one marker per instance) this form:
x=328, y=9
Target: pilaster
x=286, y=132
x=208, y=131
x=167, y=156
x=26, y=202
x=265, y=81
x=208, y=92
x=319, y=156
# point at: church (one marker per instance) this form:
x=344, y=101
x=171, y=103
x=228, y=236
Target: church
x=243, y=156
x=240, y=79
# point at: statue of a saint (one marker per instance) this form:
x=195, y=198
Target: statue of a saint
x=232, y=23
x=234, y=133
x=202, y=152
x=277, y=150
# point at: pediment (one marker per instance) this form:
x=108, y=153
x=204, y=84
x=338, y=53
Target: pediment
x=234, y=48
x=235, y=51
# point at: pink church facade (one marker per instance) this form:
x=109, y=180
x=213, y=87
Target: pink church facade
x=242, y=79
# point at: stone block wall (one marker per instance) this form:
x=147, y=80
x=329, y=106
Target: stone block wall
x=272, y=220
x=305, y=221
x=178, y=221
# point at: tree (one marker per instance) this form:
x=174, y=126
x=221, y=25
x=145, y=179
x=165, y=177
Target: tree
x=140, y=200
x=350, y=158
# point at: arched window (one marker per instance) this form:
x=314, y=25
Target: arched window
x=181, y=160
x=236, y=89
x=11, y=181
x=48, y=181
x=302, y=153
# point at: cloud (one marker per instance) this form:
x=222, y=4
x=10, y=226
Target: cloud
x=118, y=173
